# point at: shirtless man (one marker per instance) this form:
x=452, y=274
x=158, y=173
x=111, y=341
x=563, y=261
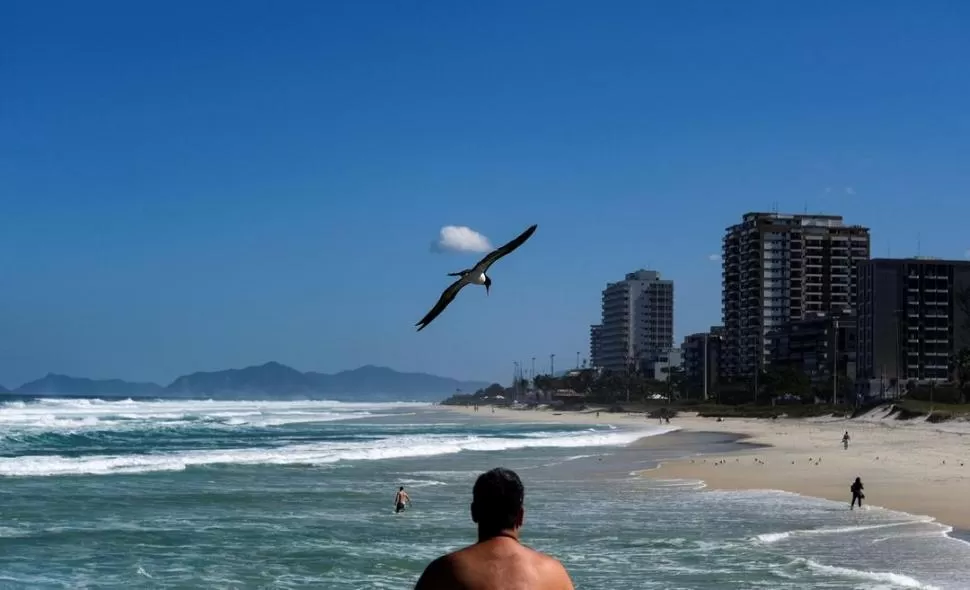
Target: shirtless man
x=400, y=499
x=498, y=561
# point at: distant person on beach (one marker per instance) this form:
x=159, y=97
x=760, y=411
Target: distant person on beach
x=401, y=499
x=845, y=440
x=857, y=495
x=498, y=561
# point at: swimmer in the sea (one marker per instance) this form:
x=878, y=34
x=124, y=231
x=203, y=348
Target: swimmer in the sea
x=400, y=499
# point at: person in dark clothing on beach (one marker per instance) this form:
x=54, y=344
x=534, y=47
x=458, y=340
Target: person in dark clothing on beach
x=857, y=494
x=498, y=561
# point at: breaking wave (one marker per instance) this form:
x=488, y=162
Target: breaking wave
x=56, y=437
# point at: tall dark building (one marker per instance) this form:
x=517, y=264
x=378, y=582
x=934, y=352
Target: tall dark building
x=914, y=314
x=824, y=348
x=698, y=349
x=595, y=355
x=777, y=268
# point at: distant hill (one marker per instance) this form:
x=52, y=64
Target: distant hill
x=54, y=384
x=4, y=389
x=272, y=379
x=278, y=380
x=371, y=380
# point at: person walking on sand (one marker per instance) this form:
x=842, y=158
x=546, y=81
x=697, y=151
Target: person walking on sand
x=498, y=561
x=857, y=495
x=401, y=499
x=845, y=440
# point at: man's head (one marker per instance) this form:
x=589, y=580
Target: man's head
x=400, y=489
x=497, y=500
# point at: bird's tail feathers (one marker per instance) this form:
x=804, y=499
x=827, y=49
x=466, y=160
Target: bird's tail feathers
x=460, y=273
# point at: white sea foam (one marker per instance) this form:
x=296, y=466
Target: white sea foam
x=421, y=483
x=321, y=453
x=896, y=580
x=60, y=415
x=769, y=538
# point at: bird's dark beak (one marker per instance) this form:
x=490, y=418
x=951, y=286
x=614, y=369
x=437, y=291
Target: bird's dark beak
x=486, y=289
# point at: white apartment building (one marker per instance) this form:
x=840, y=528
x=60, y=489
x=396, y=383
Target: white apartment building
x=637, y=324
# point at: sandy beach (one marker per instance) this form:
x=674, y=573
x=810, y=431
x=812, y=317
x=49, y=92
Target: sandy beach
x=911, y=466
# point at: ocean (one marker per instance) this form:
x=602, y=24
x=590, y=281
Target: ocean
x=221, y=494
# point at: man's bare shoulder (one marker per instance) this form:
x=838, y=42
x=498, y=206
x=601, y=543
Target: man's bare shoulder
x=552, y=570
x=440, y=573
x=459, y=568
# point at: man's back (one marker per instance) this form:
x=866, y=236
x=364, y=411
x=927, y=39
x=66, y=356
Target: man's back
x=500, y=563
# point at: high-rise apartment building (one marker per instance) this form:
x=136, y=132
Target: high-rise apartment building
x=913, y=316
x=637, y=323
x=778, y=268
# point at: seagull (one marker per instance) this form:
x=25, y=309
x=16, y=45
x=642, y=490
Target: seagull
x=473, y=276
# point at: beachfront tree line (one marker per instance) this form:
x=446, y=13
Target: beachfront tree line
x=633, y=386
x=785, y=384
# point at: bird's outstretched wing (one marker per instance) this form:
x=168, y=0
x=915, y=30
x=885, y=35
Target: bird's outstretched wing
x=497, y=253
x=446, y=297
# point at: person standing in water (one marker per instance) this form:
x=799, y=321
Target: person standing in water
x=400, y=499
x=857, y=494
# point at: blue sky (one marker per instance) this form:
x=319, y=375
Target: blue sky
x=194, y=186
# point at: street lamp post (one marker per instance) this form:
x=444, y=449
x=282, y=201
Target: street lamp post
x=835, y=361
x=706, y=336
x=898, y=318
x=515, y=380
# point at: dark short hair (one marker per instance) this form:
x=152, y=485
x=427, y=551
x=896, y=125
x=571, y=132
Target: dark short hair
x=401, y=488
x=497, y=498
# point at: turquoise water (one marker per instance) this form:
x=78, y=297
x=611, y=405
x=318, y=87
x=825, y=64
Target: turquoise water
x=200, y=494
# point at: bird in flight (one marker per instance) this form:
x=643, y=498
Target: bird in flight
x=473, y=276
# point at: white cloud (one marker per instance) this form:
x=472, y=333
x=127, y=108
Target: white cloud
x=849, y=190
x=714, y=257
x=460, y=238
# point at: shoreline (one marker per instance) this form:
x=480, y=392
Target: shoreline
x=914, y=467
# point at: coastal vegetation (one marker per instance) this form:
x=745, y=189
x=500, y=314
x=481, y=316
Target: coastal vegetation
x=778, y=391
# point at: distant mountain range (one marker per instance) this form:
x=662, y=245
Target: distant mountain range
x=272, y=379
